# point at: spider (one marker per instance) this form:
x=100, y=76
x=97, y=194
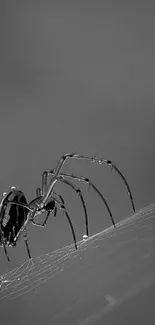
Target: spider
x=16, y=213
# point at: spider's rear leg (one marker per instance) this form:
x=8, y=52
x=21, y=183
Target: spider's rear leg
x=84, y=179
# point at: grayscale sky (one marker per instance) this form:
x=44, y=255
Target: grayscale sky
x=77, y=76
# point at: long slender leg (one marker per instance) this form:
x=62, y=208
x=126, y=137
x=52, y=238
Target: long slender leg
x=80, y=178
x=63, y=208
x=61, y=178
x=79, y=192
x=26, y=243
x=93, y=159
x=6, y=253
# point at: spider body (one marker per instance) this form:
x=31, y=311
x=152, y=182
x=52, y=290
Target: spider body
x=16, y=213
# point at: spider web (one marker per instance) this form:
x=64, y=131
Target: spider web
x=41, y=269
x=36, y=271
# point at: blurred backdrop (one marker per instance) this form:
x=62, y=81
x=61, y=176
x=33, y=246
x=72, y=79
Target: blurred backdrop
x=77, y=76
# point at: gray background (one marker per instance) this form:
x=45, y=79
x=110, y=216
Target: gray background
x=76, y=76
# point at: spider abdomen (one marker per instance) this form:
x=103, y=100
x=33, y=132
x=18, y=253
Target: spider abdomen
x=12, y=216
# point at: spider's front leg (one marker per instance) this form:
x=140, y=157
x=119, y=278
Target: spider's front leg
x=100, y=161
x=62, y=178
x=48, y=189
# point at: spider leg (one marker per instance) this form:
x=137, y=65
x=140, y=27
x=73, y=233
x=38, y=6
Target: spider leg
x=55, y=211
x=93, y=159
x=63, y=208
x=6, y=253
x=81, y=197
x=47, y=216
x=26, y=243
x=61, y=204
x=79, y=192
x=80, y=178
